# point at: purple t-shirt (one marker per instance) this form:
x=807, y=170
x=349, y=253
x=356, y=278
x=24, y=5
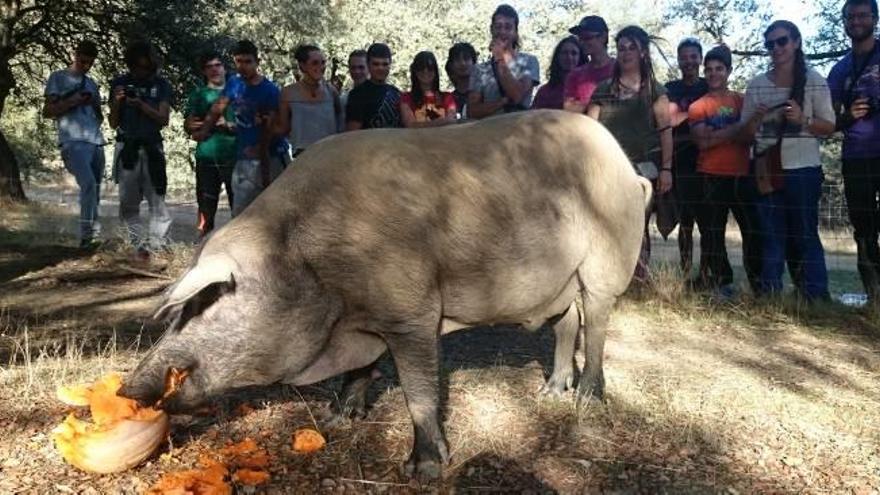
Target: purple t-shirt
x=862, y=138
x=549, y=96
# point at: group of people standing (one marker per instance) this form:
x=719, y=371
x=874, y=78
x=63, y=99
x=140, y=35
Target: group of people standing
x=718, y=151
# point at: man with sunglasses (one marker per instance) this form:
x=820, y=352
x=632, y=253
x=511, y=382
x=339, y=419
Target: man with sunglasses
x=73, y=99
x=855, y=90
x=215, y=156
x=139, y=108
x=582, y=81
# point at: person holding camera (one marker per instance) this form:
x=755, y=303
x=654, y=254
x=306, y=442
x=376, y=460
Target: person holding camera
x=139, y=109
x=505, y=82
x=73, y=99
x=855, y=92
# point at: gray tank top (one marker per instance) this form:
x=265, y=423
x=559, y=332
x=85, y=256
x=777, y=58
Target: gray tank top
x=311, y=121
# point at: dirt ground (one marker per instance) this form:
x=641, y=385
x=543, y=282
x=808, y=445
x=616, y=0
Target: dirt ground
x=744, y=397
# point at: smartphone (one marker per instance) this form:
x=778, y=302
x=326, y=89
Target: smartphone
x=778, y=106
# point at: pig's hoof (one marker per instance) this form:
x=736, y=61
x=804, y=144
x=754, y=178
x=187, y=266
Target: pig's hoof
x=590, y=396
x=423, y=471
x=556, y=386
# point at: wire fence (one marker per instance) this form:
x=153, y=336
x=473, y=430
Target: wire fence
x=835, y=232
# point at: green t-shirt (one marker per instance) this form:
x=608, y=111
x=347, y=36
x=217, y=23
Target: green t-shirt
x=631, y=121
x=220, y=147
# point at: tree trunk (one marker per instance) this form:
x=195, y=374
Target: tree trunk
x=10, y=175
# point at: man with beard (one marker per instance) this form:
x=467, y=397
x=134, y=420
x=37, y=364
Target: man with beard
x=687, y=184
x=855, y=90
x=504, y=83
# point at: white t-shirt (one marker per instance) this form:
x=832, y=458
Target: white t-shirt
x=80, y=123
x=800, y=149
x=522, y=65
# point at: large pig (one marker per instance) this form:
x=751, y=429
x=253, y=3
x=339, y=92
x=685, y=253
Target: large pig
x=386, y=239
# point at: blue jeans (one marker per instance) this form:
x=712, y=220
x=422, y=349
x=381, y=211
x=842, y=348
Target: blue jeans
x=790, y=225
x=86, y=162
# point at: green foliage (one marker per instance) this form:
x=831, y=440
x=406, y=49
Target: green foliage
x=32, y=139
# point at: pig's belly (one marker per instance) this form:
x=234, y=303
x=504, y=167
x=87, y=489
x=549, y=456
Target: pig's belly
x=523, y=298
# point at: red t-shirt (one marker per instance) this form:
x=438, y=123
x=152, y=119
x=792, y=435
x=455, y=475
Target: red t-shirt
x=728, y=158
x=431, y=109
x=583, y=80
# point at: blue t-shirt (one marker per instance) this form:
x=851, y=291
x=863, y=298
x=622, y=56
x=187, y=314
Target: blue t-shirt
x=81, y=122
x=134, y=124
x=247, y=102
x=862, y=138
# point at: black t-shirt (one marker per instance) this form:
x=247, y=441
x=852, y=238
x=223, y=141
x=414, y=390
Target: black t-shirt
x=374, y=105
x=683, y=95
x=134, y=124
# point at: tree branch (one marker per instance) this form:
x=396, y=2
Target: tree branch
x=808, y=56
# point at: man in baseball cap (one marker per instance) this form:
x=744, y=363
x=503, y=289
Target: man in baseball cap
x=592, y=32
x=590, y=24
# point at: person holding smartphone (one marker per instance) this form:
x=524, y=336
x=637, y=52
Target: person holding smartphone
x=73, y=100
x=787, y=109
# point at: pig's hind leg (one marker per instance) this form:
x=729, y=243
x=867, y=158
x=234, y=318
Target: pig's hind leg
x=352, y=401
x=566, y=330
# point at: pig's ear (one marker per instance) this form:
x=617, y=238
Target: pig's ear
x=210, y=270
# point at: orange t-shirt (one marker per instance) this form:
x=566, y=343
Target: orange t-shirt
x=718, y=112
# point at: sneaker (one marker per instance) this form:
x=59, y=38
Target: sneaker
x=89, y=244
x=724, y=293
x=141, y=255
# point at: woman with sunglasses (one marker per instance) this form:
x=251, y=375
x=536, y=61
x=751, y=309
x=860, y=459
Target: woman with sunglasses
x=634, y=107
x=566, y=56
x=309, y=109
x=425, y=105
x=793, y=107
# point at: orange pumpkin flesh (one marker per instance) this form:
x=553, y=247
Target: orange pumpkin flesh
x=121, y=434
x=246, y=458
x=307, y=440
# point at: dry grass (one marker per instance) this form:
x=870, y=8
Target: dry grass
x=740, y=397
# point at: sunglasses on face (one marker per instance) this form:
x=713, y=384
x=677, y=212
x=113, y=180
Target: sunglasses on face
x=861, y=16
x=589, y=37
x=780, y=42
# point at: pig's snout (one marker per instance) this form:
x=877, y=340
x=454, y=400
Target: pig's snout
x=145, y=388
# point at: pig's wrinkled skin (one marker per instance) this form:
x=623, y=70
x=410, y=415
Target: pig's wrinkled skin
x=385, y=239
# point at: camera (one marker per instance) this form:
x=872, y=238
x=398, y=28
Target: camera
x=132, y=91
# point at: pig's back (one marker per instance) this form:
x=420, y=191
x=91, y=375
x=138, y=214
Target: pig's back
x=497, y=213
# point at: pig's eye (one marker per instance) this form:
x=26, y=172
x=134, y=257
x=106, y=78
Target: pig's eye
x=195, y=306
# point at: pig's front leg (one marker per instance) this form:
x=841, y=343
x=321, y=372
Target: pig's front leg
x=415, y=351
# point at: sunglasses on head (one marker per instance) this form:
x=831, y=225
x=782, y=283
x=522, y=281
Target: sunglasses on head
x=780, y=42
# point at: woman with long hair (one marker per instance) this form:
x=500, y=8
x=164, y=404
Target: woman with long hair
x=793, y=107
x=310, y=109
x=634, y=107
x=425, y=105
x=566, y=56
